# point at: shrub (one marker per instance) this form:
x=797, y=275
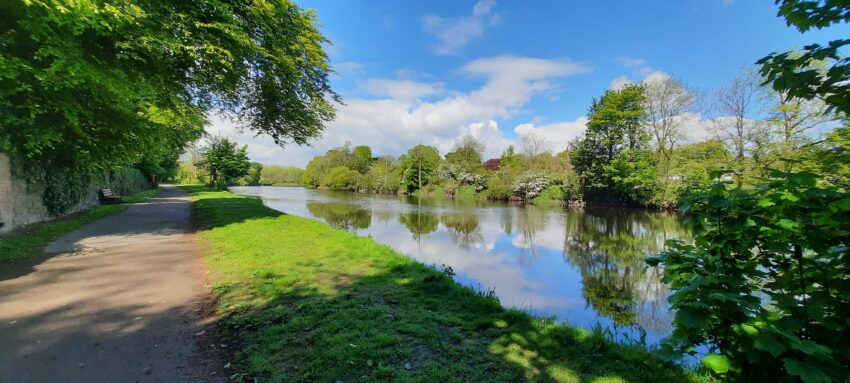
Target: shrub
x=765, y=286
x=342, y=178
x=529, y=185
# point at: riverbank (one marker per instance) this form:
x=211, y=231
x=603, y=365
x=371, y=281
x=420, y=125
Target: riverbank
x=28, y=241
x=301, y=301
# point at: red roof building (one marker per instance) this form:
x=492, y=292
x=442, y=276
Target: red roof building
x=492, y=164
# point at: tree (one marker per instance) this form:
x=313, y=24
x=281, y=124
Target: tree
x=224, y=161
x=633, y=177
x=342, y=178
x=281, y=175
x=419, y=166
x=764, y=285
x=667, y=103
x=362, y=158
x=533, y=145
x=253, y=176
x=384, y=177
x=791, y=119
x=99, y=85
x=615, y=123
x=463, y=164
x=692, y=164
x=791, y=72
x=734, y=125
x=466, y=154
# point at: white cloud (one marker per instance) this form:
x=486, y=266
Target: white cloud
x=620, y=83
x=655, y=76
x=559, y=134
x=453, y=33
x=630, y=61
x=402, y=89
x=393, y=124
x=347, y=68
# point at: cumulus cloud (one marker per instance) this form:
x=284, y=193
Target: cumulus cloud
x=403, y=89
x=630, y=61
x=620, y=83
x=400, y=118
x=559, y=134
x=453, y=33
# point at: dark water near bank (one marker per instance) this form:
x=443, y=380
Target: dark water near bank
x=585, y=266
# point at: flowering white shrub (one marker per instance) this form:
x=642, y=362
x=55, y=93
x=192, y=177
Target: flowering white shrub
x=529, y=185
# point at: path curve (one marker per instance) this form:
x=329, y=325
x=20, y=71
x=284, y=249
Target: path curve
x=121, y=300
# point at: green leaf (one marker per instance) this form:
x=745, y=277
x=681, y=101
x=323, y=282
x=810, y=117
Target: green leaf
x=766, y=203
x=787, y=224
x=806, y=371
x=840, y=205
x=767, y=342
x=691, y=317
x=717, y=363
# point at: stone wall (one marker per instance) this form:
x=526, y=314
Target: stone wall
x=22, y=204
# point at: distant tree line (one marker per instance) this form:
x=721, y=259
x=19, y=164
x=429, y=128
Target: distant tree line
x=639, y=149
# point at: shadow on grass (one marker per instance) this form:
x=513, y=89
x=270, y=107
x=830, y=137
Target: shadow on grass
x=306, y=303
x=220, y=212
x=414, y=324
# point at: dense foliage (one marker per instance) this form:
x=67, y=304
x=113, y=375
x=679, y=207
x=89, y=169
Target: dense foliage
x=765, y=283
x=90, y=86
x=765, y=287
x=791, y=72
x=281, y=175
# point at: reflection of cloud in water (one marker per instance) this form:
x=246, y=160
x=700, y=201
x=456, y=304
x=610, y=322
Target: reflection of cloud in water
x=586, y=266
x=497, y=270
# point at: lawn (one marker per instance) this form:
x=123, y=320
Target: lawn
x=300, y=301
x=29, y=241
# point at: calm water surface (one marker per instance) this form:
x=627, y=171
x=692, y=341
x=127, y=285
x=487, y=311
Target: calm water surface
x=584, y=266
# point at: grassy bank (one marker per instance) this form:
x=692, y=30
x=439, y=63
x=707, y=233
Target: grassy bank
x=302, y=302
x=29, y=241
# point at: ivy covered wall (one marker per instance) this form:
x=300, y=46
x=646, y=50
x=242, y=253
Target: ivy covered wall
x=33, y=194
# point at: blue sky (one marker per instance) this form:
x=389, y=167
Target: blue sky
x=430, y=71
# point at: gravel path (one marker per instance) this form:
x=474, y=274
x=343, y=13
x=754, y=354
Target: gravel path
x=119, y=300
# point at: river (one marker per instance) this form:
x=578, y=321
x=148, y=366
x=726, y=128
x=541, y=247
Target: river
x=582, y=266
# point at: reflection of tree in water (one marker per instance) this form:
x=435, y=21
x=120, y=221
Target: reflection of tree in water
x=341, y=215
x=506, y=220
x=463, y=227
x=530, y=220
x=419, y=223
x=609, y=247
x=383, y=214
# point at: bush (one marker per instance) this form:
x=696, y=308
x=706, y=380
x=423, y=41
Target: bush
x=341, y=178
x=765, y=286
x=529, y=185
x=553, y=193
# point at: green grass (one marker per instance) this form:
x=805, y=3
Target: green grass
x=466, y=192
x=302, y=302
x=551, y=195
x=29, y=241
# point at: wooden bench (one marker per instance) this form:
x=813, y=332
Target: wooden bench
x=107, y=197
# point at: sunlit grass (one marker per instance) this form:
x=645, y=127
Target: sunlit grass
x=303, y=302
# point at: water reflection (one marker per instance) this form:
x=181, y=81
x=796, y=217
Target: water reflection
x=584, y=266
x=419, y=223
x=341, y=215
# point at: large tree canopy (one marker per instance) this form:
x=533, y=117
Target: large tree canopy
x=106, y=83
